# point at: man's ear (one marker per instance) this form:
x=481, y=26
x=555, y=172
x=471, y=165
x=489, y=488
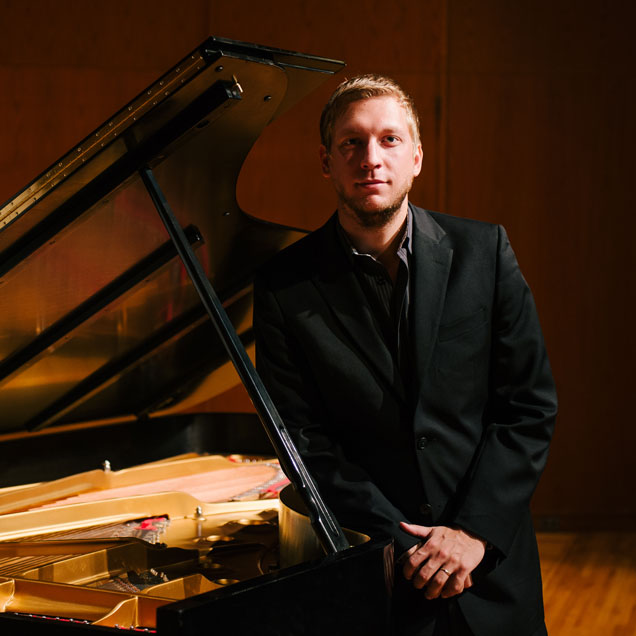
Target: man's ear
x=417, y=160
x=324, y=162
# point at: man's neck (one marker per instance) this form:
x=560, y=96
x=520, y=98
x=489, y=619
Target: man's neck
x=379, y=242
x=373, y=240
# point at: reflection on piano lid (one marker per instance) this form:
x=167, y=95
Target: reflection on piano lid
x=100, y=324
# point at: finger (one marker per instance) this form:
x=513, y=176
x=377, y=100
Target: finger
x=414, y=530
x=426, y=571
x=417, y=557
x=413, y=549
x=454, y=586
x=442, y=584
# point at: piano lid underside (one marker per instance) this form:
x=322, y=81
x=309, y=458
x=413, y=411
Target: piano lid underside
x=98, y=319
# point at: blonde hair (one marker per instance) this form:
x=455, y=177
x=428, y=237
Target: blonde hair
x=366, y=87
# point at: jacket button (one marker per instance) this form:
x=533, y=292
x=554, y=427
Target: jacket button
x=422, y=442
x=427, y=510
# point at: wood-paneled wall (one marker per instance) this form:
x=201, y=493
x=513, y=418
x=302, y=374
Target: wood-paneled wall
x=527, y=112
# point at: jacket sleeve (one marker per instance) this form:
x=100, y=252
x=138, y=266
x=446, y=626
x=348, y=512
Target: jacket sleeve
x=346, y=487
x=519, y=417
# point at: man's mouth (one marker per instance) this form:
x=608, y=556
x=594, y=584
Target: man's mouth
x=369, y=183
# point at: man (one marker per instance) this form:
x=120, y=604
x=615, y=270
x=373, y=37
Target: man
x=403, y=350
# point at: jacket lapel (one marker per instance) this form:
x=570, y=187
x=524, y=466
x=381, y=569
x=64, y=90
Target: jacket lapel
x=432, y=263
x=337, y=282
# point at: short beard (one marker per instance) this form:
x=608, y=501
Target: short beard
x=377, y=218
x=374, y=219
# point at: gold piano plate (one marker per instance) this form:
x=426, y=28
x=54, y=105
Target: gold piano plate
x=75, y=561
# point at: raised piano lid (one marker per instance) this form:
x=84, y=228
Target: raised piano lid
x=97, y=317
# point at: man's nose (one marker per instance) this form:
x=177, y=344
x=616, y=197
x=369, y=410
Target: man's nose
x=370, y=156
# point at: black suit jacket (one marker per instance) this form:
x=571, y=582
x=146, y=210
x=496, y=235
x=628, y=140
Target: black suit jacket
x=469, y=449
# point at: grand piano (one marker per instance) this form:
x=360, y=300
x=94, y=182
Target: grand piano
x=125, y=302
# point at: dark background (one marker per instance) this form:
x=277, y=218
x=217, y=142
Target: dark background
x=527, y=111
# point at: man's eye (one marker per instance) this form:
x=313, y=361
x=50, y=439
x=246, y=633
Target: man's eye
x=350, y=142
x=391, y=139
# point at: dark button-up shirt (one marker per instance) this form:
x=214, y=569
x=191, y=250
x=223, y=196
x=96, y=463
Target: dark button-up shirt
x=389, y=301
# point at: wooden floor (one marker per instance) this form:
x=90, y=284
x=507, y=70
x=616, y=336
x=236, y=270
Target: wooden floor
x=589, y=583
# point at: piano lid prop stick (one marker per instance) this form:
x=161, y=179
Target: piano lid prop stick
x=325, y=526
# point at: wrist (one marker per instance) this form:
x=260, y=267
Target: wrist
x=475, y=537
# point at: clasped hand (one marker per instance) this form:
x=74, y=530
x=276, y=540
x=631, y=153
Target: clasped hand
x=443, y=560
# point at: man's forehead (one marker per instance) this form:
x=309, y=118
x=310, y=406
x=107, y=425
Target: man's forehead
x=383, y=111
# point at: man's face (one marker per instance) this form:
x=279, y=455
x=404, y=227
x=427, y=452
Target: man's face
x=372, y=161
